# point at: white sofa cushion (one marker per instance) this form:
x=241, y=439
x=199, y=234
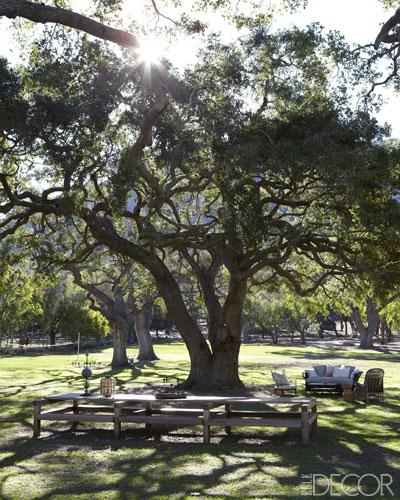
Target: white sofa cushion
x=330, y=380
x=341, y=371
x=329, y=371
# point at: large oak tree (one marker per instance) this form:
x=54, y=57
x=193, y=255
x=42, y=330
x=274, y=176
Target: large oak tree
x=247, y=164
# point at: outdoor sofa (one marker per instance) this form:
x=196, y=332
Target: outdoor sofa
x=330, y=378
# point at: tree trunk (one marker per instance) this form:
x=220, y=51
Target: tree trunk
x=389, y=333
x=366, y=331
x=52, y=337
x=246, y=331
x=383, y=332
x=132, y=337
x=225, y=365
x=199, y=351
x=226, y=346
x=220, y=371
x=120, y=358
x=212, y=370
x=143, y=319
x=361, y=328
x=275, y=334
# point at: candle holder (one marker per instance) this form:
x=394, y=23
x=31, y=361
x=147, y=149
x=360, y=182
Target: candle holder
x=86, y=373
x=170, y=392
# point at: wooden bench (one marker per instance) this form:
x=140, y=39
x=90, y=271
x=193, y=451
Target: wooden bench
x=207, y=411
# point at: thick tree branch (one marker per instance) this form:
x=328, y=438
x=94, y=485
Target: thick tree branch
x=384, y=35
x=91, y=289
x=388, y=302
x=41, y=13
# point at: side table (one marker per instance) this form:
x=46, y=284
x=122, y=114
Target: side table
x=348, y=393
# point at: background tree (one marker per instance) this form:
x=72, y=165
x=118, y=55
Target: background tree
x=19, y=305
x=114, y=287
x=120, y=298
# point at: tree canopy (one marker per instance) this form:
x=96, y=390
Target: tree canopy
x=253, y=164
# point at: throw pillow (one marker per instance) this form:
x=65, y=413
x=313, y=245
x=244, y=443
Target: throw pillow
x=351, y=369
x=280, y=378
x=320, y=370
x=341, y=371
x=329, y=371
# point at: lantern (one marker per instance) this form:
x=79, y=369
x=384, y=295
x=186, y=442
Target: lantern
x=107, y=386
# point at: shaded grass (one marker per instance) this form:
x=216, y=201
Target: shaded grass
x=173, y=463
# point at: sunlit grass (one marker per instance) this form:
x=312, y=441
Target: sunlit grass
x=252, y=464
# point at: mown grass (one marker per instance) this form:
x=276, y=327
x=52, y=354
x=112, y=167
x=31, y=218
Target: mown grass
x=353, y=438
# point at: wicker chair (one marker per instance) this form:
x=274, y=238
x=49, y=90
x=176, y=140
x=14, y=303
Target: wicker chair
x=373, y=384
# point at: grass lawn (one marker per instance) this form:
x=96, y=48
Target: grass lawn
x=269, y=463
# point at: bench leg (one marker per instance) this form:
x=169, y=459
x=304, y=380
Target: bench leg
x=315, y=423
x=117, y=422
x=75, y=411
x=37, y=407
x=228, y=407
x=305, y=428
x=148, y=412
x=206, y=427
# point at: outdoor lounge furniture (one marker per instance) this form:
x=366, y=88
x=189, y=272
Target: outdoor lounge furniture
x=373, y=384
x=206, y=411
x=282, y=383
x=330, y=378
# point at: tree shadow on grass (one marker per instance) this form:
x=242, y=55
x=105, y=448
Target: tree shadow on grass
x=337, y=353
x=175, y=463
x=150, y=373
x=143, y=469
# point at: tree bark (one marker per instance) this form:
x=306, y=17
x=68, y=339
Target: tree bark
x=367, y=331
x=226, y=346
x=143, y=319
x=199, y=351
x=224, y=324
x=119, y=318
x=120, y=358
x=383, y=332
x=132, y=337
x=52, y=337
x=41, y=13
x=389, y=333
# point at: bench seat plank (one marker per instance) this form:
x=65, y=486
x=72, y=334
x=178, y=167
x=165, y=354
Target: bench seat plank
x=163, y=419
x=76, y=417
x=255, y=422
